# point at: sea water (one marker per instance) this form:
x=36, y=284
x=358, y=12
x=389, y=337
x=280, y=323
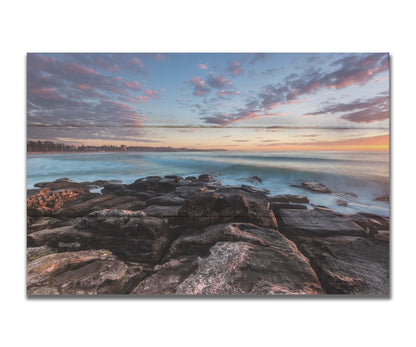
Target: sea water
x=365, y=174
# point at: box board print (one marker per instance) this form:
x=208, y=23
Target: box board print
x=207, y=174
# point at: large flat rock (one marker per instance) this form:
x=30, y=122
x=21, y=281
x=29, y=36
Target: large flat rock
x=81, y=273
x=349, y=265
x=233, y=259
x=316, y=223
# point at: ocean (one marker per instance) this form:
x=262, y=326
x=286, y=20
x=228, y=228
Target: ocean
x=365, y=174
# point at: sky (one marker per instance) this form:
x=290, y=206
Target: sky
x=238, y=101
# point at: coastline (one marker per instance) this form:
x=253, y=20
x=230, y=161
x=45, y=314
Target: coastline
x=196, y=236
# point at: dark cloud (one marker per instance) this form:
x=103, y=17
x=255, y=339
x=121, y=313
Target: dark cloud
x=360, y=111
x=218, y=81
x=199, y=87
x=235, y=68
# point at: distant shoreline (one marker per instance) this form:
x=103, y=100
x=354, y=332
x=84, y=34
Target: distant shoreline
x=67, y=152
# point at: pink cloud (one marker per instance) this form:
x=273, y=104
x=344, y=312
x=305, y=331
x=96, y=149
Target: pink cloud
x=235, y=68
x=133, y=85
x=151, y=93
x=202, y=67
x=200, y=88
x=225, y=92
x=81, y=86
x=80, y=71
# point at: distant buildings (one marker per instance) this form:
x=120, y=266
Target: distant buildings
x=49, y=146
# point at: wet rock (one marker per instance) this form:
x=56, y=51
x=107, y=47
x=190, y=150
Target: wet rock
x=341, y=202
x=277, y=206
x=82, y=273
x=368, y=221
x=317, y=223
x=226, y=205
x=241, y=268
x=204, y=178
x=315, y=187
x=385, y=198
x=254, y=190
x=174, y=178
x=111, y=188
x=298, y=199
x=349, y=265
x=278, y=198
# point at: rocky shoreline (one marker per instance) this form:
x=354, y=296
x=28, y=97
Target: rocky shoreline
x=192, y=235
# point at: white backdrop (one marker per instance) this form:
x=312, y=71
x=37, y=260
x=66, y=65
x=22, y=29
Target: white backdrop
x=179, y=26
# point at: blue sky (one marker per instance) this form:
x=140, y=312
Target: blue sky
x=126, y=98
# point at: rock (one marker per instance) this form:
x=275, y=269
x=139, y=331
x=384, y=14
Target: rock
x=167, y=277
x=69, y=247
x=252, y=179
x=100, y=183
x=153, y=183
x=369, y=221
x=278, y=198
x=62, y=184
x=385, y=198
x=33, y=253
x=297, y=199
x=204, y=178
x=81, y=273
x=316, y=223
x=349, y=265
x=169, y=199
x=46, y=202
x=187, y=192
x=241, y=268
x=341, y=202
x=117, y=213
x=98, y=203
x=199, y=242
x=315, y=187
x=43, y=223
x=277, y=206
x=111, y=188
x=254, y=190
x=162, y=211
x=191, y=178
x=347, y=194
x=226, y=205
x=174, y=178
x=130, y=237
x=31, y=192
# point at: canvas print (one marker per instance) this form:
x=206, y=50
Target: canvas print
x=218, y=174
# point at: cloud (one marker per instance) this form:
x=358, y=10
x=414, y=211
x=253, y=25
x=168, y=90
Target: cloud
x=151, y=93
x=235, y=68
x=359, y=110
x=226, y=92
x=356, y=69
x=199, y=87
x=202, y=67
x=218, y=81
x=136, y=65
x=257, y=57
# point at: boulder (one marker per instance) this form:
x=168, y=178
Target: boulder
x=277, y=206
x=167, y=277
x=341, y=202
x=302, y=199
x=226, y=205
x=349, y=265
x=187, y=192
x=62, y=184
x=153, y=183
x=81, y=273
x=316, y=187
x=204, y=178
x=385, y=198
x=47, y=201
x=241, y=268
x=278, y=198
x=316, y=223
x=162, y=211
